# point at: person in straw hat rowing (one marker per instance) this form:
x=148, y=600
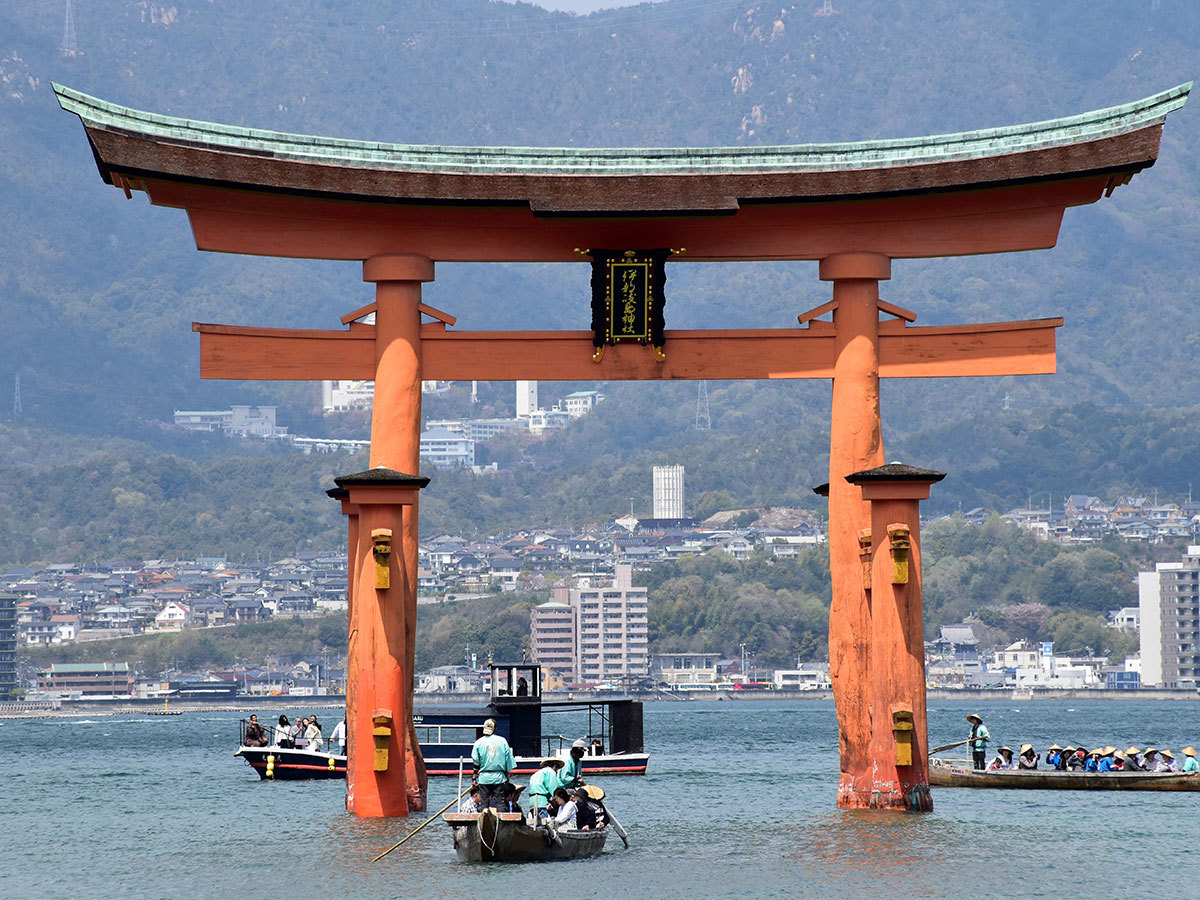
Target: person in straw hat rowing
x=1190, y=764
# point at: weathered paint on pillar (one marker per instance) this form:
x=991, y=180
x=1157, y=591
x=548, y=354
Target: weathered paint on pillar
x=396, y=433
x=379, y=501
x=350, y=511
x=855, y=443
x=899, y=746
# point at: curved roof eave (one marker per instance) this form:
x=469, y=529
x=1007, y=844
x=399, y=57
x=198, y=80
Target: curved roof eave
x=97, y=114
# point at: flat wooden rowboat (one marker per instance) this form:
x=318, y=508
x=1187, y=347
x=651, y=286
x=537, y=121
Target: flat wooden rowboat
x=956, y=773
x=490, y=836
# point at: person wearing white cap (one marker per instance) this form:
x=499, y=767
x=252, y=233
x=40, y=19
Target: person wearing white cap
x=493, y=761
x=571, y=776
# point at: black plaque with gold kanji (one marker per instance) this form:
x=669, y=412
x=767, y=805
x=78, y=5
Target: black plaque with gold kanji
x=627, y=296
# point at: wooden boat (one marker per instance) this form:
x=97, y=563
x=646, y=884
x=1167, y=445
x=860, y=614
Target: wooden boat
x=958, y=773
x=492, y=836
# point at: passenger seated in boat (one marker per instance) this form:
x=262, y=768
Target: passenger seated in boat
x=473, y=802
x=1118, y=761
x=585, y=814
x=1132, y=763
x=1028, y=758
x=1064, y=758
x=284, y=734
x=1053, y=752
x=512, y=796
x=1150, y=760
x=1105, y=762
x=563, y=808
x=1079, y=760
x=1003, y=759
x=1167, y=762
x=1093, y=760
x=255, y=736
x=1190, y=764
x=542, y=784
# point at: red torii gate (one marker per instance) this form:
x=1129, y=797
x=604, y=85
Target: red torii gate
x=853, y=207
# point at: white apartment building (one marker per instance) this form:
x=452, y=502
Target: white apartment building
x=1169, y=610
x=580, y=403
x=445, y=448
x=610, y=638
x=543, y=420
x=239, y=421
x=668, y=492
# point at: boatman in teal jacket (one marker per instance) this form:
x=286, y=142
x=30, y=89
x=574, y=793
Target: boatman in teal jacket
x=571, y=776
x=493, y=761
x=542, y=784
x=978, y=741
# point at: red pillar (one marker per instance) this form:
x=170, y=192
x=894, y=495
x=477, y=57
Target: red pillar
x=396, y=434
x=855, y=443
x=378, y=690
x=898, y=744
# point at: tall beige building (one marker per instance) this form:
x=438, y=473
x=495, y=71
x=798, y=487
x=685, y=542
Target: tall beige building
x=606, y=624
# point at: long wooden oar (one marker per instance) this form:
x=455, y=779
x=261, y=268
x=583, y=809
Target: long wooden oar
x=617, y=827
x=422, y=825
x=948, y=746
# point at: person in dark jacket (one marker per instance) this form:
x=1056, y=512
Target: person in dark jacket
x=512, y=799
x=1064, y=758
x=1132, y=763
x=1079, y=760
x=585, y=813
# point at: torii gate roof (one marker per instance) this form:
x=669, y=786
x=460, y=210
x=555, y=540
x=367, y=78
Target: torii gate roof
x=789, y=202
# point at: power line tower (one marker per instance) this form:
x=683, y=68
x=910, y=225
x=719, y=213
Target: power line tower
x=703, y=419
x=68, y=46
x=17, y=396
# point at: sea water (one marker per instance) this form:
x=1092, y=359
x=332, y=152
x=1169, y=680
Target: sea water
x=739, y=802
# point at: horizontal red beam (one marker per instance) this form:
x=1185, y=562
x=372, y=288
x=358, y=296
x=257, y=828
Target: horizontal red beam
x=279, y=354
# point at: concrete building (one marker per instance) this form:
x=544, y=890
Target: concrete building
x=240, y=421
x=668, y=492
x=610, y=639
x=340, y=396
x=527, y=398
x=580, y=403
x=543, y=420
x=445, y=448
x=554, y=635
x=8, y=645
x=1169, y=610
x=87, y=679
x=686, y=668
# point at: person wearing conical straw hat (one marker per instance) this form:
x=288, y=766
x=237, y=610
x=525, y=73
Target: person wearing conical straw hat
x=978, y=741
x=1167, y=762
x=1053, y=752
x=1105, y=763
x=1190, y=764
x=1028, y=758
x=1132, y=763
x=1150, y=759
x=1064, y=758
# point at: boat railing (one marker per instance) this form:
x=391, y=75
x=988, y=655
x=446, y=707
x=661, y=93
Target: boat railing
x=275, y=737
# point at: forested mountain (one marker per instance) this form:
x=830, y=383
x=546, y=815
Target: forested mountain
x=97, y=292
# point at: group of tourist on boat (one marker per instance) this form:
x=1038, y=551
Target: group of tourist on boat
x=557, y=793
x=1076, y=759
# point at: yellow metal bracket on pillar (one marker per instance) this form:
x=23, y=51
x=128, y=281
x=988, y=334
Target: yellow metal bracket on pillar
x=901, y=543
x=902, y=730
x=382, y=733
x=864, y=555
x=381, y=538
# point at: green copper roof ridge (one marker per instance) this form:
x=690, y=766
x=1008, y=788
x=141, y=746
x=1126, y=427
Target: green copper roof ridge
x=885, y=153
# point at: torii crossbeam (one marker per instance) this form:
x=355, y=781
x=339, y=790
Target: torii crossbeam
x=401, y=208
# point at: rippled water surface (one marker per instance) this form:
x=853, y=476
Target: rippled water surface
x=739, y=804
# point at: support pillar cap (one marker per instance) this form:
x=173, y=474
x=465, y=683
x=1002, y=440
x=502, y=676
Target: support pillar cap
x=895, y=472
x=856, y=265
x=380, y=477
x=398, y=267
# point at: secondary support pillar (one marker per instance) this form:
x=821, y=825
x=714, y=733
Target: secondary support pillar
x=396, y=432
x=855, y=443
x=899, y=746
x=378, y=692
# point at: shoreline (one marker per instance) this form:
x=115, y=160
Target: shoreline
x=92, y=708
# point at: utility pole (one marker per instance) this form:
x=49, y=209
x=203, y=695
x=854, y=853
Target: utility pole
x=17, y=396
